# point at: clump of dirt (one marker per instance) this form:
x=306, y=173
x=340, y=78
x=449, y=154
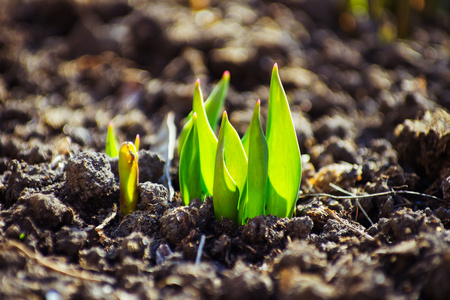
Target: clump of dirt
x=424, y=144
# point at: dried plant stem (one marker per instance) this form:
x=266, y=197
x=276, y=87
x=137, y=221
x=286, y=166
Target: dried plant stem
x=357, y=197
x=325, y=195
x=357, y=201
x=200, y=250
x=108, y=219
x=337, y=218
x=63, y=269
x=172, y=133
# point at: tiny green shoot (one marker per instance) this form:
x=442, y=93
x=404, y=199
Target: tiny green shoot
x=128, y=168
x=129, y=177
x=112, y=145
x=137, y=141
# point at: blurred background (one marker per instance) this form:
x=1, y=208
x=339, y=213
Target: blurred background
x=353, y=69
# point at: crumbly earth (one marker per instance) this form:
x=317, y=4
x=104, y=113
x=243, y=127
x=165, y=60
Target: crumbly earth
x=372, y=117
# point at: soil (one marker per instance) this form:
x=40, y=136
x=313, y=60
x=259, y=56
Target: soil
x=372, y=117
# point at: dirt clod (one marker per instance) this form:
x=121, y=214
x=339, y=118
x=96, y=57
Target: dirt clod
x=89, y=177
x=424, y=143
x=153, y=198
x=48, y=210
x=178, y=223
x=244, y=282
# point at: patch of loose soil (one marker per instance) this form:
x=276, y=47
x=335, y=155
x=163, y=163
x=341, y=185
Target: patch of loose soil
x=372, y=117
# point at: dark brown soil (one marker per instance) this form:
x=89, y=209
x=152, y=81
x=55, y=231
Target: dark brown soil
x=371, y=116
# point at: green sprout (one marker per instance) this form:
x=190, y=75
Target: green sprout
x=230, y=172
x=249, y=177
x=128, y=169
x=213, y=107
x=198, y=157
x=284, y=164
x=112, y=145
x=128, y=176
x=253, y=199
x=137, y=141
x=197, y=142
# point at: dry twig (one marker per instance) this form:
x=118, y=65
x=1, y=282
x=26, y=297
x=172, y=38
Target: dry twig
x=63, y=269
x=337, y=218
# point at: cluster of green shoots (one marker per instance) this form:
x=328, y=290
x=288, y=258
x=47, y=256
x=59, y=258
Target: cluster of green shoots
x=256, y=175
x=248, y=177
x=128, y=169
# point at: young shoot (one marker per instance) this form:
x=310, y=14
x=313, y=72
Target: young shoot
x=112, y=145
x=129, y=177
x=197, y=143
x=258, y=175
x=284, y=164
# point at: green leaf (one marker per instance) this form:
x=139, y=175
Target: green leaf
x=137, y=142
x=235, y=157
x=213, y=106
x=284, y=164
x=207, y=143
x=245, y=140
x=112, y=145
x=189, y=169
x=129, y=177
x=254, y=201
x=215, y=102
x=226, y=191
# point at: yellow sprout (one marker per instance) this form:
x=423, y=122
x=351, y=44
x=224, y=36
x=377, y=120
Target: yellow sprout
x=129, y=177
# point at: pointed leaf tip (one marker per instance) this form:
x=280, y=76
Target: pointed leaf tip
x=257, y=154
x=137, y=141
x=284, y=163
x=226, y=74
